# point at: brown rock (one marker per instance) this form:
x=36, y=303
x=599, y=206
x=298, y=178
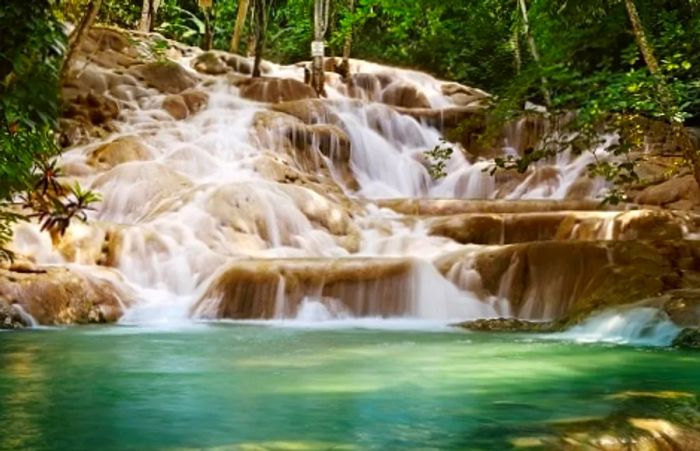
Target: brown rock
x=275, y=90
x=165, y=76
x=196, y=100
x=404, y=95
x=309, y=111
x=63, y=296
x=121, y=150
x=210, y=63
x=672, y=190
x=175, y=105
x=565, y=280
x=250, y=289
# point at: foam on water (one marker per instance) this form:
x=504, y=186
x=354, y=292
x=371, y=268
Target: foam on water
x=643, y=326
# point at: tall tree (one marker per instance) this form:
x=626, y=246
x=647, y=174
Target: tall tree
x=344, y=68
x=78, y=35
x=208, y=37
x=534, y=51
x=668, y=104
x=321, y=15
x=240, y=23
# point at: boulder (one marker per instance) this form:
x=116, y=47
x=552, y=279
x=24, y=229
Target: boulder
x=119, y=151
x=275, y=90
x=195, y=100
x=56, y=295
x=175, y=105
x=404, y=95
x=210, y=63
x=165, y=76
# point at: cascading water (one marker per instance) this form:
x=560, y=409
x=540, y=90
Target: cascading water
x=253, y=195
x=643, y=326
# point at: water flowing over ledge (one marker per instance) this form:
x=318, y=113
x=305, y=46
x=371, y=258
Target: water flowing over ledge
x=225, y=197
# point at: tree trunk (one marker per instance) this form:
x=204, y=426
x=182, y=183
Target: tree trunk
x=321, y=13
x=535, y=53
x=78, y=35
x=145, y=23
x=252, y=34
x=516, y=51
x=260, y=32
x=670, y=109
x=208, y=37
x=149, y=9
x=240, y=23
x=344, y=68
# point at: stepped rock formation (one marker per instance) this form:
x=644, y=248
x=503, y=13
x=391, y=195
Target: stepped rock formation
x=226, y=196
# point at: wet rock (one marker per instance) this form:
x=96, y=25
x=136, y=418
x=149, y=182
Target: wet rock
x=244, y=65
x=507, y=325
x=444, y=207
x=262, y=289
x=195, y=100
x=508, y=228
x=210, y=63
x=688, y=339
x=140, y=188
x=452, y=89
x=119, y=151
x=10, y=318
x=568, y=280
x=165, y=76
x=91, y=109
x=309, y=111
x=404, y=95
x=444, y=118
x=275, y=90
x=62, y=296
x=320, y=149
x=175, y=106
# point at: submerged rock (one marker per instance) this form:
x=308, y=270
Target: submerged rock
x=507, y=325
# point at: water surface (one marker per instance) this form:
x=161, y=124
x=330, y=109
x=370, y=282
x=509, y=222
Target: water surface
x=232, y=386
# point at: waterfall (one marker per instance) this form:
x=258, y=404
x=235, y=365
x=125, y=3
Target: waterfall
x=281, y=200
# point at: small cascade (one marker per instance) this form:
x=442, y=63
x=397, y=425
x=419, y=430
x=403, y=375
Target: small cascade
x=26, y=317
x=642, y=326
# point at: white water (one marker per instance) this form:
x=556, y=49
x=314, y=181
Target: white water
x=201, y=201
x=642, y=326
